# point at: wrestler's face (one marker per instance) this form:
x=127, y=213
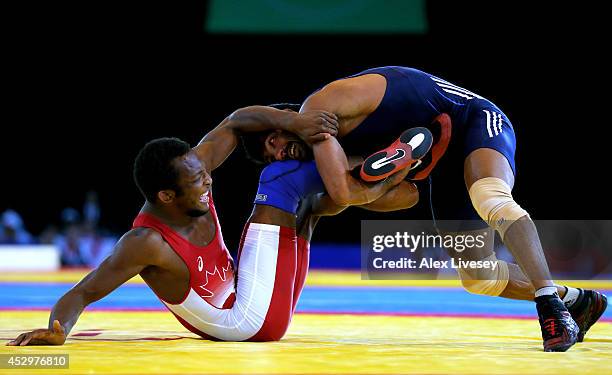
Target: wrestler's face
x=282, y=145
x=195, y=183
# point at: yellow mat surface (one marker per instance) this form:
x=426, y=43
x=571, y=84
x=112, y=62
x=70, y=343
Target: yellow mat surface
x=154, y=342
x=329, y=278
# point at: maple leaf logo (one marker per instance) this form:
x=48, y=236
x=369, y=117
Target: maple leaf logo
x=208, y=275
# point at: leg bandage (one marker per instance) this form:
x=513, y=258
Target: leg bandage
x=492, y=199
x=486, y=281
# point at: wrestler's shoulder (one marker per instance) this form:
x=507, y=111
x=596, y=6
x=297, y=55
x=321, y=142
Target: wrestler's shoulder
x=145, y=239
x=365, y=82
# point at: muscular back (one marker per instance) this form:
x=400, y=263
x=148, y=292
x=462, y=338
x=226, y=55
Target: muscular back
x=351, y=99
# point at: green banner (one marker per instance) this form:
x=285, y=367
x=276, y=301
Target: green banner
x=317, y=16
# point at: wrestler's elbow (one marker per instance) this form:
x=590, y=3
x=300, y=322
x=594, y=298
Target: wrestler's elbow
x=409, y=195
x=331, y=210
x=401, y=203
x=341, y=196
x=402, y=196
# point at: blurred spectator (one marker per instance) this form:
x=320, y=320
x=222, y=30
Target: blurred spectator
x=70, y=216
x=94, y=245
x=49, y=236
x=68, y=241
x=12, y=230
x=91, y=209
x=69, y=246
x=80, y=240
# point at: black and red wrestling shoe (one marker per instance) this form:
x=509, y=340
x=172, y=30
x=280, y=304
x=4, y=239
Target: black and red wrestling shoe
x=587, y=310
x=559, y=330
x=406, y=152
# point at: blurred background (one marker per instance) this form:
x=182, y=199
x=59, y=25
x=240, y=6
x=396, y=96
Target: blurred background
x=86, y=84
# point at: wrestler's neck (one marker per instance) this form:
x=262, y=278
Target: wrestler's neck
x=171, y=215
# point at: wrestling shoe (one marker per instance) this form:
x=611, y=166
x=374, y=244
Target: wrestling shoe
x=587, y=309
x=406, y=151
x=559, y=330
x=441, y=129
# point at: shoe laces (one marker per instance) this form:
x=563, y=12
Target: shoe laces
x=550, y=326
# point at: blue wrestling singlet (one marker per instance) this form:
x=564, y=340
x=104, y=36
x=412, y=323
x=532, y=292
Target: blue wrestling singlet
x=413, y=98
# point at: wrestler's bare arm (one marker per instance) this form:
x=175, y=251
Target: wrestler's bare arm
x=400, y=197
x=218, y=144
x=136, y=250
x=403, y=195
x=351, y=100
x=343, y=188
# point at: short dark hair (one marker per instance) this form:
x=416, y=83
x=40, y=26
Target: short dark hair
x=253, y=146
x=153, y=168
x=253, y=143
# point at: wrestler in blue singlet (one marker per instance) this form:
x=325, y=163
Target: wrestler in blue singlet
x=283, y=184
x=413, y=98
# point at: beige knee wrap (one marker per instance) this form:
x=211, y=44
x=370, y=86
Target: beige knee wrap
x=486, y=281
x=492, y=199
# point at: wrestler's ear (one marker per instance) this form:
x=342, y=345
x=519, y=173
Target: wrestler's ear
x=166, y=196
x=271, y=139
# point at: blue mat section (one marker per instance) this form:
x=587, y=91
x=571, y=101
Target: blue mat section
x=34, y=295
x=406, y=300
